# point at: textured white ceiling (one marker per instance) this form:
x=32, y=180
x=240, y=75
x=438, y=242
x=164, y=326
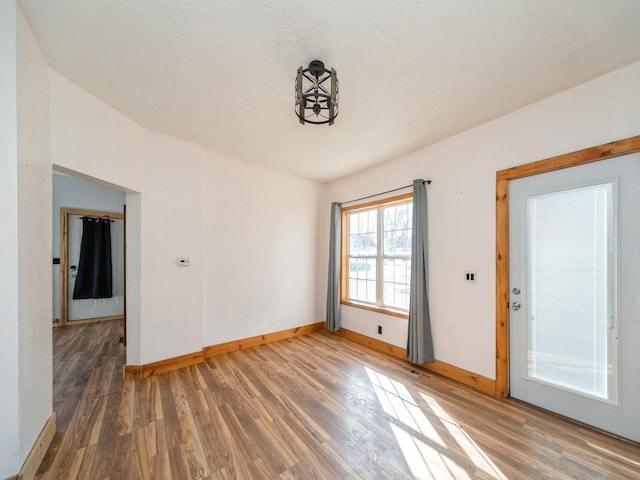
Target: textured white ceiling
x=411, y=72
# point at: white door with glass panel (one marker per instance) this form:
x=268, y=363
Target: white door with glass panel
x=574, y=269
x=91, y=308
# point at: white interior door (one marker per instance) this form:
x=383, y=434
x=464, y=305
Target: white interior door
x=574, y=324
x=102, y=307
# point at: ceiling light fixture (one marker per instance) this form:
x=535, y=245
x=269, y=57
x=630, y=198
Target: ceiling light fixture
x=316, y=94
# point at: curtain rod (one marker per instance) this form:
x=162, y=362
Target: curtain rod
x=428, y=182
x=104, y=217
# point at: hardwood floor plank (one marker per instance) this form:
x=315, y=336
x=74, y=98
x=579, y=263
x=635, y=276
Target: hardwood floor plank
x=126, y=409
x=313, y=406
x=161, y=465
x=191, y=444
x=142, y=454
x=74, y=470
x=178, y=465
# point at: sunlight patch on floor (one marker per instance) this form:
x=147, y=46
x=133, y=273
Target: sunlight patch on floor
x=397, y=402
x=424, y=461
x=422, y=446
x=473, y=451
x=611, y=453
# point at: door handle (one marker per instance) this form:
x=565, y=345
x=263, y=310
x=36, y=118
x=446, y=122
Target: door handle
x=516, y=305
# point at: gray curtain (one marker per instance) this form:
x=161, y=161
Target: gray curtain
x=419, y=342
x=332, y=321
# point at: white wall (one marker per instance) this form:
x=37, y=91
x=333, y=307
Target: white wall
x=171, y=227
x=260, y=255
x=163, y=178
x=93, y=141
x=9, y=418
x=71, y=192
x=240, y=224
x=34, y=234
x=25, y=240
x=462, y=206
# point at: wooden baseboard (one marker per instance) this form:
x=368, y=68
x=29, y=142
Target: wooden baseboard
x=373, y=343
x=130, y=372
x=162, y=366
x=474, y=380
x=236, y=345
x=169, y=364
x=478, y=382
x=143, y=371
x=95, y=320
x=39, y=450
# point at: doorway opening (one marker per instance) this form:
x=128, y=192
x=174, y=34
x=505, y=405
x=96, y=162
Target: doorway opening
x=90, y=310
x=76, y=196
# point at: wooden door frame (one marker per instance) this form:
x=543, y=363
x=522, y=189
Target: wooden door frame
x=124, y=277
x=64, y=260
x=580, y=157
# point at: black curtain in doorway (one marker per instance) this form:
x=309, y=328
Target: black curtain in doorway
x=94, y=278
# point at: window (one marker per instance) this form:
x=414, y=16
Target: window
x=376, y=255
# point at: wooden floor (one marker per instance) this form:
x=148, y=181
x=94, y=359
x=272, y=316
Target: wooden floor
x=316, y=406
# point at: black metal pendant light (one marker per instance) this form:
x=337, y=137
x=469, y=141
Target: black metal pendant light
x=316, y=94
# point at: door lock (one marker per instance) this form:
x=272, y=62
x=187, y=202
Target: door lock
x=515, y=305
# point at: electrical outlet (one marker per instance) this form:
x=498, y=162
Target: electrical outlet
x=184, y=262
x=379, y=329
x=470, y=277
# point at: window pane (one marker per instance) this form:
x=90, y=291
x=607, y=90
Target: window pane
x=398, y=216
x=362, y=279
x=395, y=295
x=569, y=234
x=371, y=291
x=362, y=267
x=362, y=233
x=395, y=287
x=397, y=229
x=397, y=242
x=352, y=289
x=365, y=291
x=372, y=221
x=362, y=244
x=401, y=296
x=354, y=224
